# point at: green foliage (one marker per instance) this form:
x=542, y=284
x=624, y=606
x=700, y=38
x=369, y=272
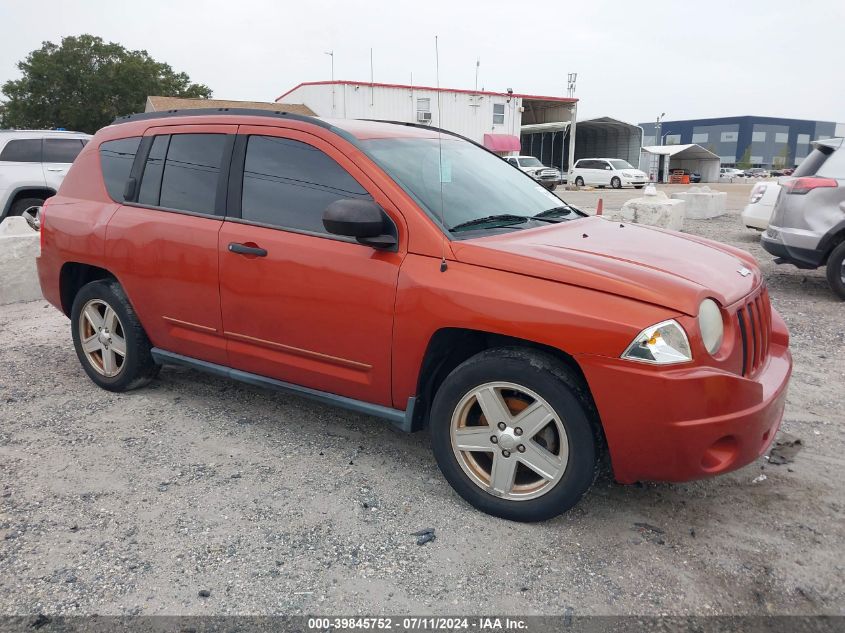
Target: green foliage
x=782, y=159
x=84, y=83
x=745, y=161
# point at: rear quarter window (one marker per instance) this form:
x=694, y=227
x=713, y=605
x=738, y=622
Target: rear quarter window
x=62, y=150
x=22, y=150
x=116, y=158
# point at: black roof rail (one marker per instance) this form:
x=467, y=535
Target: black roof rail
x=166, y=114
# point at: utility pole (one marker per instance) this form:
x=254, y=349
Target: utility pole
x=570, y=91
x=331, y=54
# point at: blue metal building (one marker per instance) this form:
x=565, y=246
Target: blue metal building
x=772, y=142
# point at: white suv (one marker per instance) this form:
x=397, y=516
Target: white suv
x=33, y=164
x=602, y=172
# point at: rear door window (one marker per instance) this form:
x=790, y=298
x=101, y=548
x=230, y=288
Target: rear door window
x=22, y=150
x=150, y=191
x=62, y=150
x=191, y=172
x=116, y=158
x=289, y=184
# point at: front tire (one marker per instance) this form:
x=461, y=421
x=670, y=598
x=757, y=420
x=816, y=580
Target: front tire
x=515, y=434
x=110, y=342
x=579, y=182
x=615, y=182
x=836, y=270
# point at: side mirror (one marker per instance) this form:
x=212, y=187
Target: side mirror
x=362, y=219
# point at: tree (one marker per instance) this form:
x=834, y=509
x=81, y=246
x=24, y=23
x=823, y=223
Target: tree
x=782, y=159
x=745, y=161
x=84, y=83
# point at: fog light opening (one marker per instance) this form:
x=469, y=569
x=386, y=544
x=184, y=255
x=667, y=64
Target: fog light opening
x=720, y=454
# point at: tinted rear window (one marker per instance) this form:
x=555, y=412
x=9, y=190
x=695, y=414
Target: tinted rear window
x=62, y=150
x=116, y=159
x=191, y=170
x=151, y=180
x=23, y=150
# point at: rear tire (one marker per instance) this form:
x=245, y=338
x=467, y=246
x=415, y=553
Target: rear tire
x=615, y=182
x=110, y=342
x=19, y=206
x=560, y=437
x=836, y=270
x=579, y=182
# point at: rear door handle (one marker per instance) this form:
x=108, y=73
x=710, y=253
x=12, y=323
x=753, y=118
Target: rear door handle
x=243, y=249
x=56, y=169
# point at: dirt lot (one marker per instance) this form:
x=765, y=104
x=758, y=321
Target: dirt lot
x=120, y=504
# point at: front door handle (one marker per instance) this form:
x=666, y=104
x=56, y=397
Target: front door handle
x=244, y=249
x=56, y=169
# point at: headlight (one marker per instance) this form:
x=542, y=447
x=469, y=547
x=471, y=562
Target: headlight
x=711, y=326
x=627, y=174
x=661, y=344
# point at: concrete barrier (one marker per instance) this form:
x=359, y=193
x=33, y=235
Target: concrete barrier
x=19, y=246
x=702, y=202
x=653, y=210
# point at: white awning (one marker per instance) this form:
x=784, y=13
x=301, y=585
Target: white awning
x=690, y=151
x=544, y=127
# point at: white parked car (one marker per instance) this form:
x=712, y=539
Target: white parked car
x=603, y=172
x=549, y=177
x=33, y=164
x=730, y=174
x=761, y=203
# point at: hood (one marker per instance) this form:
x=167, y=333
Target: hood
x=647, y=264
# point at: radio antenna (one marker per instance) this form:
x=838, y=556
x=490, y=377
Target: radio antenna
x=443, y=265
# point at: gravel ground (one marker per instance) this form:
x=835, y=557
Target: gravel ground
x=201, y=496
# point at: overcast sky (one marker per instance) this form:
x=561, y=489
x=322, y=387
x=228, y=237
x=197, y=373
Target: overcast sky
x=634, y=59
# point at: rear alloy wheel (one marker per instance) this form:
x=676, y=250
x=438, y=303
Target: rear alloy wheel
x=111, y=344
x=512, y=433
x=615, y=182
x=579, y=182
x=836, y=270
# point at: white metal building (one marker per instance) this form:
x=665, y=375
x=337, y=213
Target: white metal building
x=658, y=161
x=493, y=119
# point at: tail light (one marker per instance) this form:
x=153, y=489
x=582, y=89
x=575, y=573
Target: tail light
x=808, y=183
x=757, y=192
x=42, y=216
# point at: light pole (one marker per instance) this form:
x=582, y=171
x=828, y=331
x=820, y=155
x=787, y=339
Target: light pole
x=331, y=54
x=658, y=128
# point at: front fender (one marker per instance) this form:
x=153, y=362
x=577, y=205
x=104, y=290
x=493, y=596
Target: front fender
x=570, y=318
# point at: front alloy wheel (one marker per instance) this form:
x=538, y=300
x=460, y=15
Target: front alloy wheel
x=515, y=433
x=509, y=441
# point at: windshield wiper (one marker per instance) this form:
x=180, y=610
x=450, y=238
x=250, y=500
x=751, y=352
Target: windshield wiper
x=562, y=210
x=495, y=221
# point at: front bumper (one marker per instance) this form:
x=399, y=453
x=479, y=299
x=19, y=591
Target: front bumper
x=688, y=423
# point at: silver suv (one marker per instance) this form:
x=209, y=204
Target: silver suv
x=807, y=228
x=33, y=164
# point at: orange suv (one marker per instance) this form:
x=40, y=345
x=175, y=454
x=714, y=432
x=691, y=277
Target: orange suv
x=409, y=274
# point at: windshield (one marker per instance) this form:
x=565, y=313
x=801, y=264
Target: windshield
x=476, y=184
x=530, y=162
x=621, y=164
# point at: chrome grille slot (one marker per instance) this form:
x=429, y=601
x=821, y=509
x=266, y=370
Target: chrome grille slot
x=754, y=318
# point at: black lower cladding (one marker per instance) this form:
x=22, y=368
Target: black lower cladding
x=403, y=420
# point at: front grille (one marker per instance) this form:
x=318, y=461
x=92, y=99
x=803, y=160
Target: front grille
x=755, y=326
